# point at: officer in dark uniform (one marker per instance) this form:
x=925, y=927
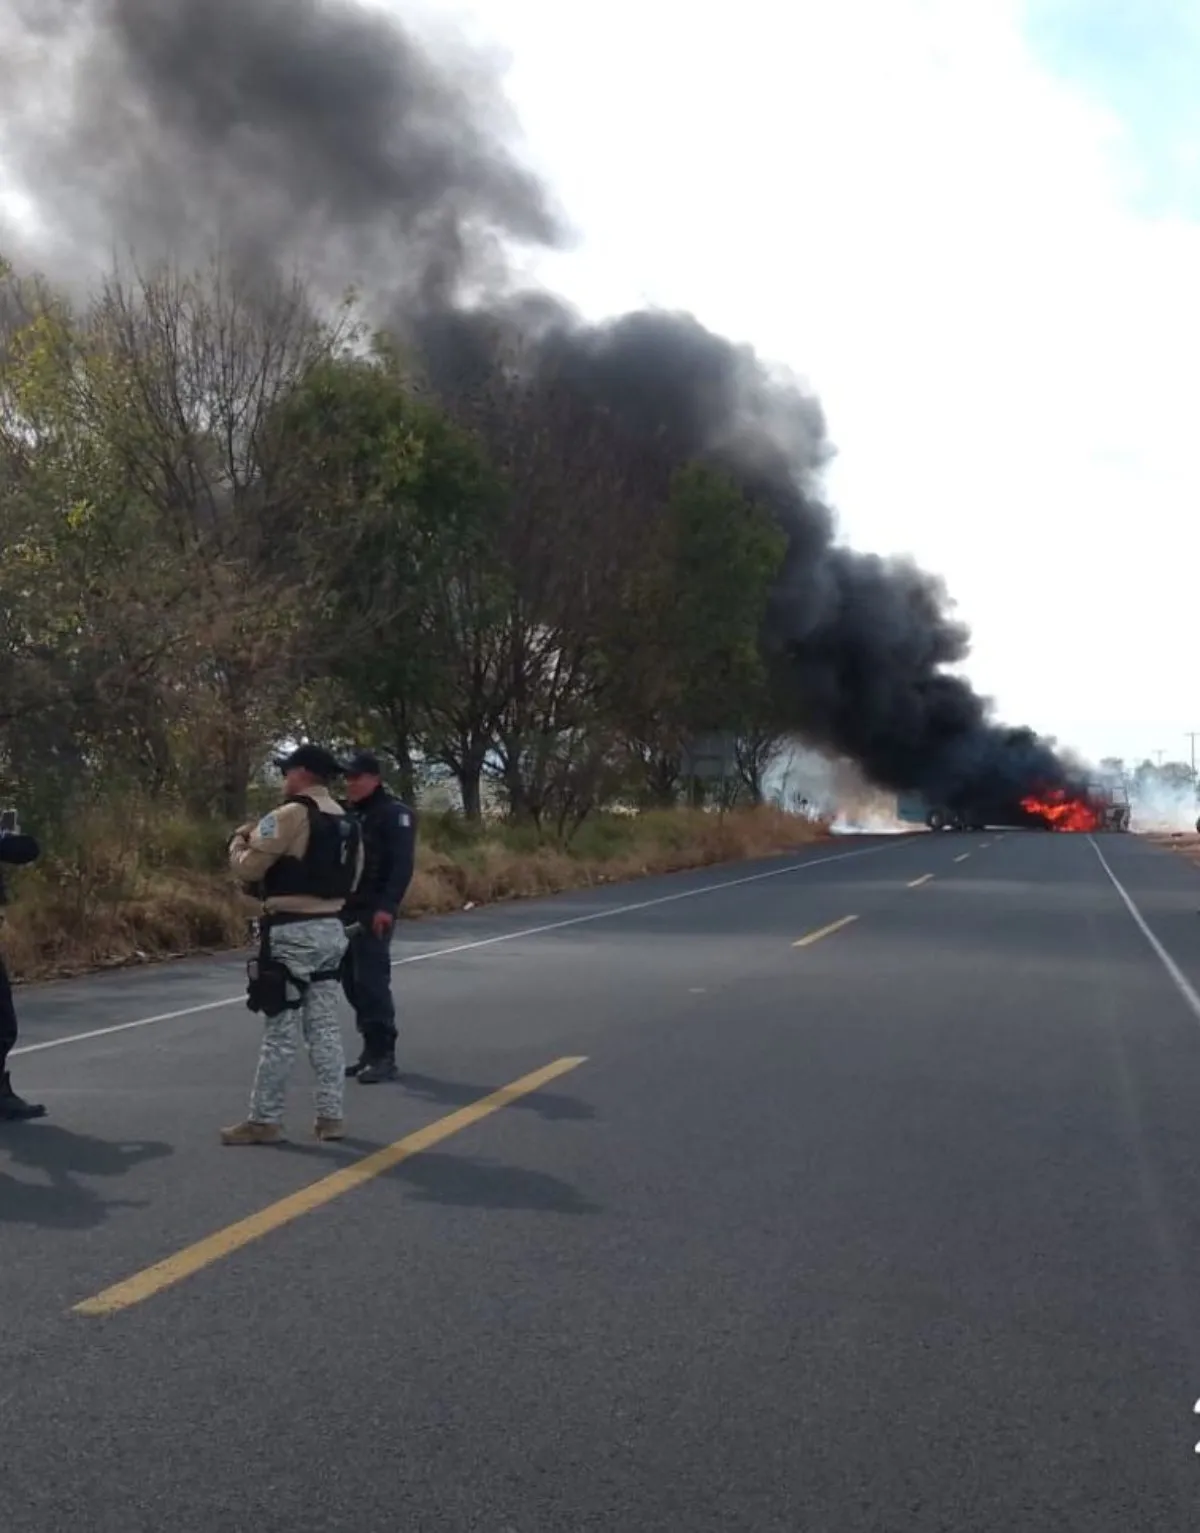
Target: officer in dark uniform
x=17, y=850
x=389, y=836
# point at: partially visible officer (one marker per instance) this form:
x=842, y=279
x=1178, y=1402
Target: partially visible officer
x=389, y=849
x=17, y=850
x=303, y=860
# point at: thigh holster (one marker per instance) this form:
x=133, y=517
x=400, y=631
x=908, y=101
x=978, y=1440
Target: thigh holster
x=267, y=979
x=267, y=987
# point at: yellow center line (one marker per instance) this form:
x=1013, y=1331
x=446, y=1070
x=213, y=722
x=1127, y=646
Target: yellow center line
x=917, y=882
x=152, y=1280
x=825, y=931
x=963, y=858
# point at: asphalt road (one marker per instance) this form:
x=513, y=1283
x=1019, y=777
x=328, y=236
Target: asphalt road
x=896, y=1230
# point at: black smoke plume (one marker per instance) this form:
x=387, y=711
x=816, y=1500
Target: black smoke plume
x=327, y=134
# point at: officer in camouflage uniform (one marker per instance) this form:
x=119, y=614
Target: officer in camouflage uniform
x=303, y=859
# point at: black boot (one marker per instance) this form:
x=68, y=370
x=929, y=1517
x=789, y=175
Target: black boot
x=13, y=1108
x=360, y=1064
x=383, y=1069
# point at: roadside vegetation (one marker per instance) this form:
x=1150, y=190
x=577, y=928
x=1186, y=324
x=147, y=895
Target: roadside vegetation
x=141, y=887
x=229, y=523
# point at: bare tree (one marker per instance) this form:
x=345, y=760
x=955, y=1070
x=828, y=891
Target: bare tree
x=201, y=365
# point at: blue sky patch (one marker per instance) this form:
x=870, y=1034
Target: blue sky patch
x=1140, y=59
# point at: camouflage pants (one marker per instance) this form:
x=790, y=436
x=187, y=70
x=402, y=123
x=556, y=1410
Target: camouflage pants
x=305, y=947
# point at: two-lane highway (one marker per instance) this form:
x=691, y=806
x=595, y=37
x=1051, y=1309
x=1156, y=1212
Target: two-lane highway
x=859, y=1192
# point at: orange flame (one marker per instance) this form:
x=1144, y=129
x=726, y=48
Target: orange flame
x=1063, y=813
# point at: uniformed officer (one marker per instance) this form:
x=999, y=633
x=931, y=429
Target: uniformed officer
x=17, y=850
x=303, y=860
x=389, y=849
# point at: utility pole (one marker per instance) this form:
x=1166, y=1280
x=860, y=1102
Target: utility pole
x=1191, y=735
x=1159, y=754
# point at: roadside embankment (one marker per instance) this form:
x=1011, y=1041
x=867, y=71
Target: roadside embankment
x=143, y=885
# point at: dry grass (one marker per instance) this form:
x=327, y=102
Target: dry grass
x=140, y=885
x=131, y=884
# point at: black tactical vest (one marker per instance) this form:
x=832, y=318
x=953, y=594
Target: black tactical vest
x=326, y=871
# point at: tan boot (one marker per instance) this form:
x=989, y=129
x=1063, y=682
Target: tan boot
x=252, y=1133
x=329, y=1128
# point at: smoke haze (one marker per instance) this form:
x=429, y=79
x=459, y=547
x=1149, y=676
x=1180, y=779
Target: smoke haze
x=326, y=135
x=1165, y=807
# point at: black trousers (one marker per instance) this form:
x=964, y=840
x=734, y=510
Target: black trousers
x=367, y=982
x=8, y=1017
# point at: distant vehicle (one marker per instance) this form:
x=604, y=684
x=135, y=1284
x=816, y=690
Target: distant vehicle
x=1108, y=804
x=915, y=809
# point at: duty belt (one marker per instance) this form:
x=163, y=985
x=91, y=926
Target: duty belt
x=268, y=977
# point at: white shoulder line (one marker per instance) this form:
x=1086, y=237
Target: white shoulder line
x=469, y=947
x=1180, y=980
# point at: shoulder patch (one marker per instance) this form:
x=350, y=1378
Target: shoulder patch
x=404, y=818
x=268, y=827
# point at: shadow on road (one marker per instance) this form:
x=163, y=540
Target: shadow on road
x=55, y=1199
x=457, y=1181
x=333, y=1152
x=467, y=1182
x=551, y=1105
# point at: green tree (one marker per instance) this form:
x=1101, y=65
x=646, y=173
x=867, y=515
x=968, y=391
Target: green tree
x=407, y=510
x=689, y=654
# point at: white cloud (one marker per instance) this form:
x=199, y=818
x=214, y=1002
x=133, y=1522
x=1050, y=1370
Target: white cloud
x=892, y=197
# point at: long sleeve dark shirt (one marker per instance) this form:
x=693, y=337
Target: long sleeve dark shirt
x=389, y=832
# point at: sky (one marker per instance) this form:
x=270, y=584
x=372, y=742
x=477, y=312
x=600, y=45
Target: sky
x=974, y=230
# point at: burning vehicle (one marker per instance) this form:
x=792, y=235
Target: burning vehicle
x=1094, y=807
x=1100, y=806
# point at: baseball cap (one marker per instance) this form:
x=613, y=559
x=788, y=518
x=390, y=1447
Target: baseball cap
x=313, y=758
x=362, y=764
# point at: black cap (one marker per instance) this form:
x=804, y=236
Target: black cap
x=313, y=758
x=362, y=764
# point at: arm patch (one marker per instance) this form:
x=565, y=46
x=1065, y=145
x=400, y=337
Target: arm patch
x=268, y=827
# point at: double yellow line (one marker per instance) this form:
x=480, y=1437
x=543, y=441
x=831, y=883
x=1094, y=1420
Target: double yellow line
x=143, y=1285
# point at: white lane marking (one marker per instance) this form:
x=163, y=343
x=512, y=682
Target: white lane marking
x=469, y=947
x=1180, y=980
